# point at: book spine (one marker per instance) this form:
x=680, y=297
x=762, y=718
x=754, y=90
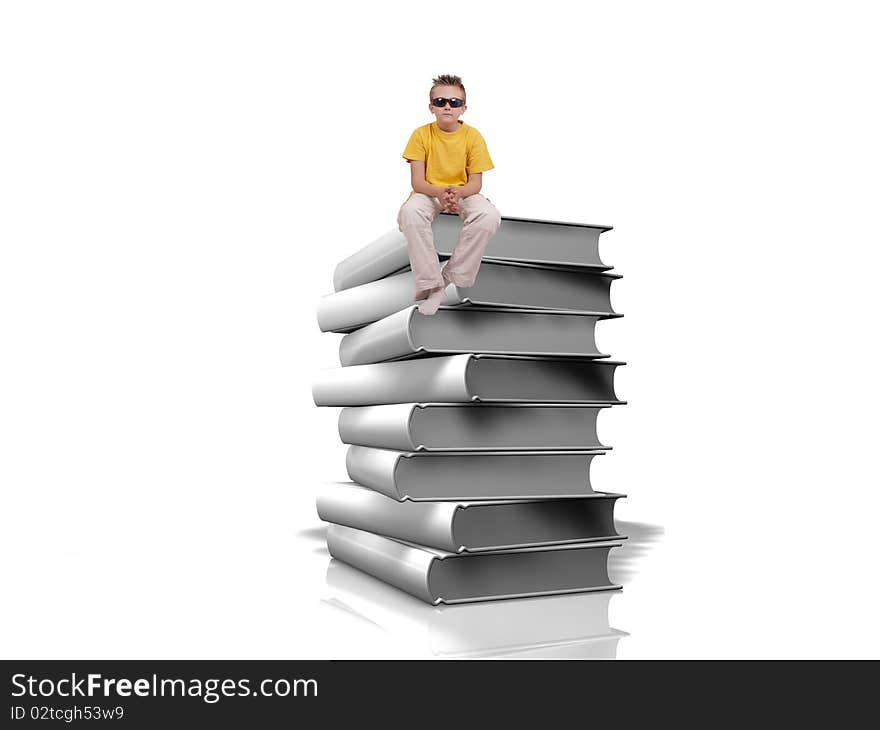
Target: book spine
x=361, y=305
x=386, y=339
x=426, y=523
x=383, y=256
x=400, y=565
x=437, y=379
x=381, y=426
x=374, y=468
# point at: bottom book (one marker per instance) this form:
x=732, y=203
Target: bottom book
x=436, y=576
x=573, y=625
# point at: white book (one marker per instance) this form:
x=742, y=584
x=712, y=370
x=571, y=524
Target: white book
x=471, y=426
x=436, y=576
x=445, y=475
x=498, y=285
x=518, y=239
x=469, y=378
x=473, y=526
x=408, y=334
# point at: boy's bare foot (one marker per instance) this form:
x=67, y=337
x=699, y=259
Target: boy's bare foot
x=433, y=302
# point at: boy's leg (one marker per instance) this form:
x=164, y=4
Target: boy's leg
x=481, y=222
x=414, y=221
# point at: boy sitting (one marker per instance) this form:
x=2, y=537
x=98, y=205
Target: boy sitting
x=447, y=159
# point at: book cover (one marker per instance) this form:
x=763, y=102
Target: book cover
x=471, y=426
x=437, y=576
x=409, y=334
x=498, y=285
x=469, y=378
x=561, y=244
x=473, y=526
x=446, y=475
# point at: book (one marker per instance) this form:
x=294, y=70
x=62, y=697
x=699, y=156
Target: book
x=408, y=334
x=574, y=625
x=469, y=378
x=471, y=426
x=437, y=576
x=448, y=475
x=520, y=286
x=472, y=526
x=527, y=240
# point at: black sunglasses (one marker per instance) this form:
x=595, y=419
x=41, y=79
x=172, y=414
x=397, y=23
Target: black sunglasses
x=441, y=102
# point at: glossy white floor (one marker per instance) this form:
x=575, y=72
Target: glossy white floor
x=164, y=245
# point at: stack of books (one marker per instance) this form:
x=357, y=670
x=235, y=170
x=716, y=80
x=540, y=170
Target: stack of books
x=472, y=431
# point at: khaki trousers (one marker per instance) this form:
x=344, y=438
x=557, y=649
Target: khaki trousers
x=480, y=219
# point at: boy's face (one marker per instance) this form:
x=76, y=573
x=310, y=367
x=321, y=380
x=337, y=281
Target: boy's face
x=446, y=114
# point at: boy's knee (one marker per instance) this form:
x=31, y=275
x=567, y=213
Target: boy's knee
x=410, y=216
x=487, y=219
x=412, y=213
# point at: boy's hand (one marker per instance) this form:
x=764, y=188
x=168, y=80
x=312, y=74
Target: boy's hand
x=444, y=201
x=450, y=199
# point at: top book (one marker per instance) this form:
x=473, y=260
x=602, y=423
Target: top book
x=526, y=240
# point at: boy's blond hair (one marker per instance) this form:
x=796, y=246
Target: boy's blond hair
x=447, y=80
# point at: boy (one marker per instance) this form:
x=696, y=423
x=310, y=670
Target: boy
x=447, y=159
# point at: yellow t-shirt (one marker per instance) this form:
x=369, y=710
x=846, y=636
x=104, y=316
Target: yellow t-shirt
x=449, y=157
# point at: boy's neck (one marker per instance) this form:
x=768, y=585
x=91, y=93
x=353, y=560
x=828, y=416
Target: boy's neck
x=456, y=125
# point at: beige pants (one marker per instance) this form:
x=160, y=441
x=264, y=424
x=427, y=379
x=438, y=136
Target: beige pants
x=480, y=222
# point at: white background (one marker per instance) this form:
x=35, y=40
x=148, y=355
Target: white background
x=179, y=180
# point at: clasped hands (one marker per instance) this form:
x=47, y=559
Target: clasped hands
x=450, y=199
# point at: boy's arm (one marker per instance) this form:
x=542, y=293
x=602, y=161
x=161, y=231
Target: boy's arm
x=419, y=184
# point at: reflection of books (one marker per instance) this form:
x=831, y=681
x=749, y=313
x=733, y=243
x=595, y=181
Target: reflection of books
x=498, y=285
x=471, y=427
x=570, y=625
x=469, y=377
x=409, y=333
x=442, y=577
x=518, y=239
x=448, y=475
x=472, y=526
